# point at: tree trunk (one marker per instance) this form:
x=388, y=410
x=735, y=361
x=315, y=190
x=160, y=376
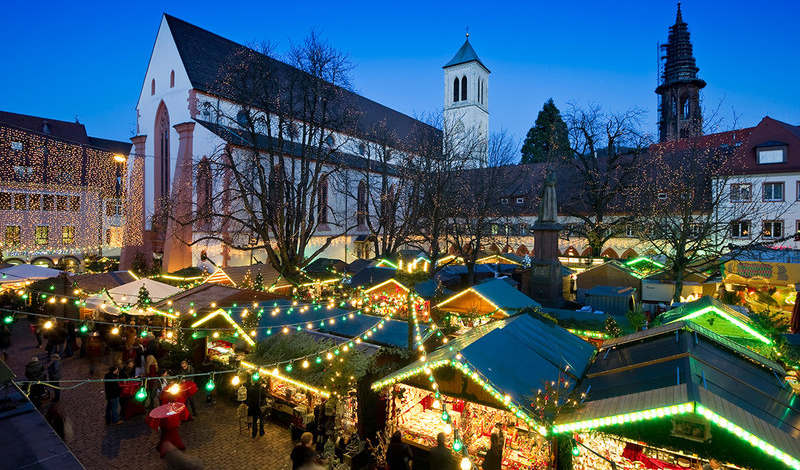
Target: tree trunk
x=410, y=321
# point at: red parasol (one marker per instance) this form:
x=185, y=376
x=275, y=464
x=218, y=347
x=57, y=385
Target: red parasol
x=795, y=323
x=167, y=416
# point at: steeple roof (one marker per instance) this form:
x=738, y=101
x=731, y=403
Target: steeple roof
x=679, y=64
x=464, y=55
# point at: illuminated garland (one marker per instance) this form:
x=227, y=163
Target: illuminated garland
x=674, y=410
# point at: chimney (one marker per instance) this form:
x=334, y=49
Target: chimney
x=46, y=128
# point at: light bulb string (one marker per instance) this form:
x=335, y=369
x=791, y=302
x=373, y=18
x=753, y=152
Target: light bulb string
x=182, y=328
x=356, y=340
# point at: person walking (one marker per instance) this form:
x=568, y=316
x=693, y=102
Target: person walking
x=5, y=341
x=398, y=454
x=302, y=450
x=188, y=369
x=54, y=375
x=35, y=373
x=112, y=396
x=254, y=400
x=36, y=329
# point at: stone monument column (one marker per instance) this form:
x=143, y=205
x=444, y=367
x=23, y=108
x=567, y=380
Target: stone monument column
x=546, y=284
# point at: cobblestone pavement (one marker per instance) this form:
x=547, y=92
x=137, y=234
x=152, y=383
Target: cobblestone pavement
x=213, y=436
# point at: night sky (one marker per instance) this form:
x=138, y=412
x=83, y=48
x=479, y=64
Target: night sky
x=79, y=58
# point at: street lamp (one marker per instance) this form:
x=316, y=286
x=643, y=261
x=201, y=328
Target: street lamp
x=119, y=158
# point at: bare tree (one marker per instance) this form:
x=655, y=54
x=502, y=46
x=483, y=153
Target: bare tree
x=281, y=125
x=691, y=206
x=604, y=157
x=477, y=208
x=434, y=170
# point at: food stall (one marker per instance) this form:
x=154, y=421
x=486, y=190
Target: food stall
x=483, y=380
x=681, y=393
x=765, y=279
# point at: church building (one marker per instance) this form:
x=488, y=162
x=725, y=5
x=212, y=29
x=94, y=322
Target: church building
x=180, y=129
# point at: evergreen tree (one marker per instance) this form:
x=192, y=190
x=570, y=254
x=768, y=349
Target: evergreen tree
x=144, y=298
x=548, y=138
x=259, y=283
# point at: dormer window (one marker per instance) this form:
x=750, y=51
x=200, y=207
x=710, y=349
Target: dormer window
x=329, y=141
x=362, y=149
x=520, y=200
x=771, y=152
x=504, y=200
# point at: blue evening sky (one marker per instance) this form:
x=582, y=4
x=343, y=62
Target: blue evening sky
x=63, y=59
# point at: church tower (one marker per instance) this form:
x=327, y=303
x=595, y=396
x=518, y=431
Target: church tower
x=466, y=104
x=680, y=114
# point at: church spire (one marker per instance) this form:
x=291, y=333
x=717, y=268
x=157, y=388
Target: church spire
x=679, y=88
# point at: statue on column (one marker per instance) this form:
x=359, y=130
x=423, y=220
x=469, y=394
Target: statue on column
x=548, y=208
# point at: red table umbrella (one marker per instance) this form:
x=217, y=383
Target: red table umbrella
x=795, y=323
x=167, y=416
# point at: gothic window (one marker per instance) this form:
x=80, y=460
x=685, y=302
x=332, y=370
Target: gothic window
x=362, y=210
x=323, y=199
x=455, y=90
x=172, y=79
x=686, y=109
x=464, y=88
x=204, y=185
x=152, y=87
x=480, y=97
x=162, y=160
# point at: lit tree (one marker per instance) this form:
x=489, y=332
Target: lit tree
x=258, y=284
x=686, y=210
x=604, y=161
x=144, y=300
x=280, y=147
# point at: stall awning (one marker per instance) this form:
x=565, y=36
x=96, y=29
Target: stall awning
x=495, y=295
x=756, y=272
x=717, y=317
x=686, y=372
x=509, y=359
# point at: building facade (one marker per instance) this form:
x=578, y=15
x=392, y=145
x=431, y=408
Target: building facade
x=61, y=191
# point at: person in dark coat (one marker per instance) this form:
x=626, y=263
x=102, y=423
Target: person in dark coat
x=188, y=369
x=441, y=457
x=34, y=372
x=113, y=392
x=302, y=450
x=5, y=341
x=69, y=348
x=398, y=454
x=494, y=456
x=254, y=402
x=54, y=375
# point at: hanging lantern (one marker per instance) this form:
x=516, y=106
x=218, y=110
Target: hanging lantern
x=141, y=394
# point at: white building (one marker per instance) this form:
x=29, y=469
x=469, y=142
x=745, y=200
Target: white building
x=179, y=124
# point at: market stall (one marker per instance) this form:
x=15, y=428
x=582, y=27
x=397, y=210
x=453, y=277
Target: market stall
x=481, y=386
x=718, y=317
x=765, y=279
x=494, y=298
x=681, y=392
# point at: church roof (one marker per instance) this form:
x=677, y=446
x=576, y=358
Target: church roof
x=464, y=55
x=205, y=54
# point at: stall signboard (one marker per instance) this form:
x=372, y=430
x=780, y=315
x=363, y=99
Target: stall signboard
x=761, y=272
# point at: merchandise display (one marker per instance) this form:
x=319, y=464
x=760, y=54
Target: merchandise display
x=418, y=413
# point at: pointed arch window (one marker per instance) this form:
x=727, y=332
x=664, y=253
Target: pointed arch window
x=686, y=109
x=204, y=185
x=172, y=79
x=362, y=209
x=162, y=166
x=152, y=87
x=323, y=199
x=464, y=88
x=455, y=90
